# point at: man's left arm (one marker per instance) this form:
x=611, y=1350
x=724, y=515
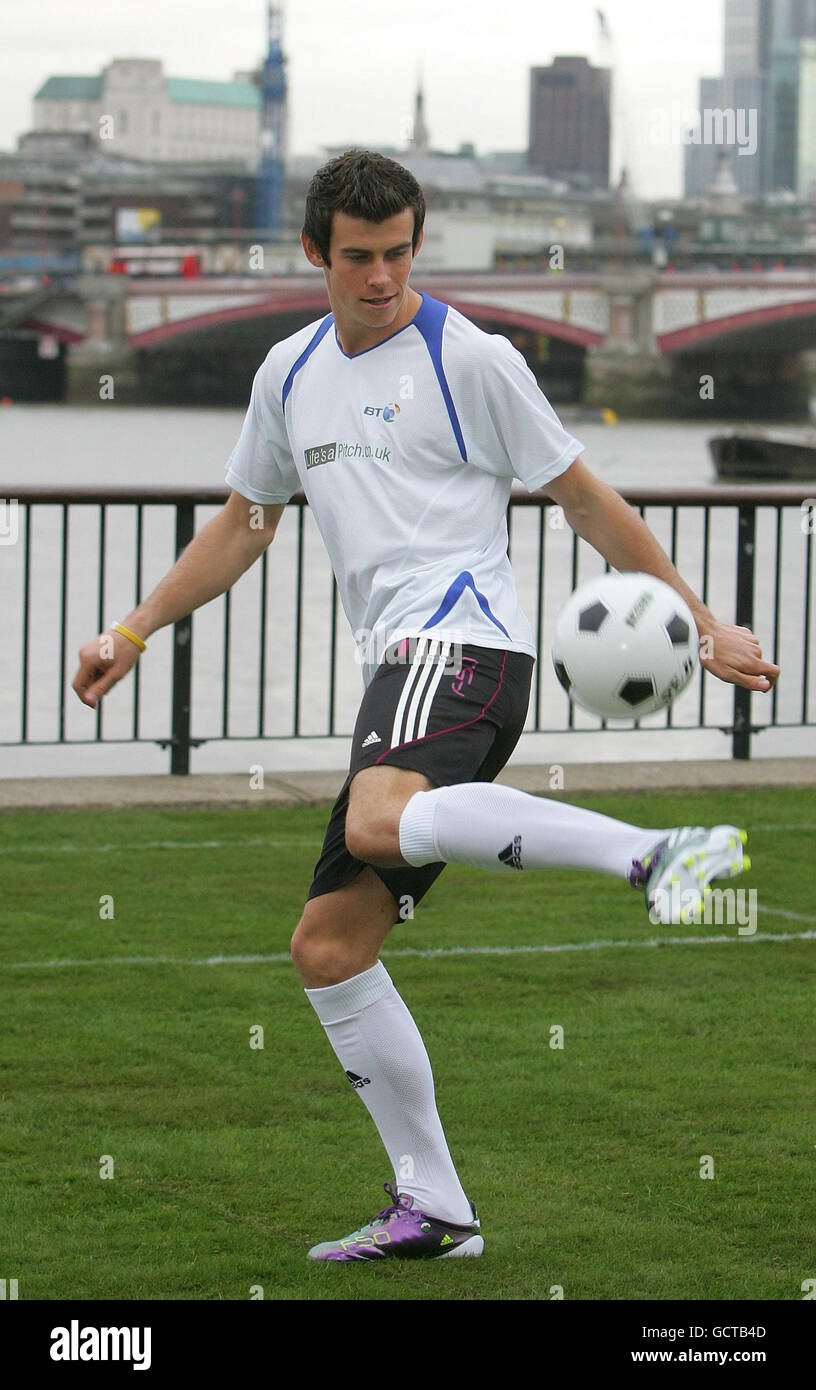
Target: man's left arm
x=601, y=516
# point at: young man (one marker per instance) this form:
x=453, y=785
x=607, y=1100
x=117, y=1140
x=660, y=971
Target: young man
x=405, y=425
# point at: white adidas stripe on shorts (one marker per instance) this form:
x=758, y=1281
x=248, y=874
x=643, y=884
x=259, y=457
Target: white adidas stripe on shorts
x=421, y=683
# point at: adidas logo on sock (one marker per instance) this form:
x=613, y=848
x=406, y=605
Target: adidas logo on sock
x=358, y=1081
x=372, y=738
x=511, y=854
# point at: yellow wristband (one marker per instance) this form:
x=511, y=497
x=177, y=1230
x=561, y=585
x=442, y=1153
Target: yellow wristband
x=126, y=632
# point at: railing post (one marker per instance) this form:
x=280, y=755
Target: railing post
x=182, y=658
x=746, y=537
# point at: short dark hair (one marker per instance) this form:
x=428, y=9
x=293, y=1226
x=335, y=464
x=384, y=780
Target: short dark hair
x=361, y=184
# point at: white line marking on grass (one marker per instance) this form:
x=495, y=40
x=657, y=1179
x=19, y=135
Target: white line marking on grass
x=429, y=953
x=777, y=826
x=160, y=844
x=782, y=912
x=229, y=844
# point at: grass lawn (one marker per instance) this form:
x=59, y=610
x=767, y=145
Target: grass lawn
x=229, y=1161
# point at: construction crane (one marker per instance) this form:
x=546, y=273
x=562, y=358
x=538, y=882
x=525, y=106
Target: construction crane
x=630, y=208
x=272, y=82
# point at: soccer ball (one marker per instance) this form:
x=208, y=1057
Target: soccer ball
x=625, y=645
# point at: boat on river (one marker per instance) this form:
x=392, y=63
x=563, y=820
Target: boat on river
x=763, y=458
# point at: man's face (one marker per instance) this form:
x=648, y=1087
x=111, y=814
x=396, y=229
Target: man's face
x=370, y=264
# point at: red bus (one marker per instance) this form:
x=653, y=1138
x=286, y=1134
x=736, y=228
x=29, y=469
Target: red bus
x=185, y=261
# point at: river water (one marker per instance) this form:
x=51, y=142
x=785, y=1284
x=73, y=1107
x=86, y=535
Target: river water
x=124, y=446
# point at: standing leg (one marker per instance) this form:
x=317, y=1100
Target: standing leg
x=335, y=949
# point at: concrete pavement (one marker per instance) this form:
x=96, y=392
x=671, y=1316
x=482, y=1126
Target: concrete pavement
x=313, y=787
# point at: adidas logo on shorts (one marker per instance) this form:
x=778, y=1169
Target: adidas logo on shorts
x=372, y=738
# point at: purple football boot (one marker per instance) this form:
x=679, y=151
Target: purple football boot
x=402, y=1232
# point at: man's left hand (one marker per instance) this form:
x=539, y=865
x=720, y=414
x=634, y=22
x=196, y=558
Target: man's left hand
x=733, y=654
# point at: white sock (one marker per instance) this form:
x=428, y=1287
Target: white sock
x=496, y=827
x=380, y=1049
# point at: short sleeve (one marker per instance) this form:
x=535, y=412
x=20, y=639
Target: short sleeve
x=516, y=432
x=261, y=466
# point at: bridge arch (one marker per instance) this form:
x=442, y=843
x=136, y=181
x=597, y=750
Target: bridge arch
x=777, y=327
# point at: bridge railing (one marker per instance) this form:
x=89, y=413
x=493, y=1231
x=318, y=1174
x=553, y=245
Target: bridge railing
x=273, y=657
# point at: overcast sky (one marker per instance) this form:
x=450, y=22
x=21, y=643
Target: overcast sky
x=353, y=63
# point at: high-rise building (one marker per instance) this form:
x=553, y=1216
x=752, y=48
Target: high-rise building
x=793, y=21
x=743, y=88
x=570, y=122
x=748, y=29
x=761, y=77
x=732, y=123
x=806, y=143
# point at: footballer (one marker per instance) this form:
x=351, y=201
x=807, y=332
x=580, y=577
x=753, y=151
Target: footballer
x=405, y=424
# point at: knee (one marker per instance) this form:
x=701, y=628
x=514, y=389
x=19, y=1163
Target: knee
x=318, y=957
x=371, y=837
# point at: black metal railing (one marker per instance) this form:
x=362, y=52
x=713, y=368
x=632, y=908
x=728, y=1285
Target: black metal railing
x=38, y=624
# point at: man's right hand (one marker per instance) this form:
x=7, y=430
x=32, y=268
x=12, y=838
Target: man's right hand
x=103, y=662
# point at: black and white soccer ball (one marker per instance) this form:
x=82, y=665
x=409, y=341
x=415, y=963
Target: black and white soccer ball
x=625, y=645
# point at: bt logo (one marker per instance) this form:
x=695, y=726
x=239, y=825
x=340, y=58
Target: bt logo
x=387, y=412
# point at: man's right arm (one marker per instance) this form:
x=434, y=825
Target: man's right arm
x=213, y=561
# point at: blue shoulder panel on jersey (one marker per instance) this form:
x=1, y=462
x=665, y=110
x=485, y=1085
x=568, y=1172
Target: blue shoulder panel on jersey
x=455, y=590
x=430, y=321
x=305, y=355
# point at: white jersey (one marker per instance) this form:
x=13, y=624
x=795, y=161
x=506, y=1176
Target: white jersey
x=406, y=452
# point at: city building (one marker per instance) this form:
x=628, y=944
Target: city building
x=60, y=191
x=762, y=67
x=748, y=30
x=806, y=143
x=793, y=21
x=742, y=96
x=132, y=109
x=570, y=122
x=732, y=120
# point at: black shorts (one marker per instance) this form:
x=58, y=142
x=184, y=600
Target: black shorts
x=454, y=713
